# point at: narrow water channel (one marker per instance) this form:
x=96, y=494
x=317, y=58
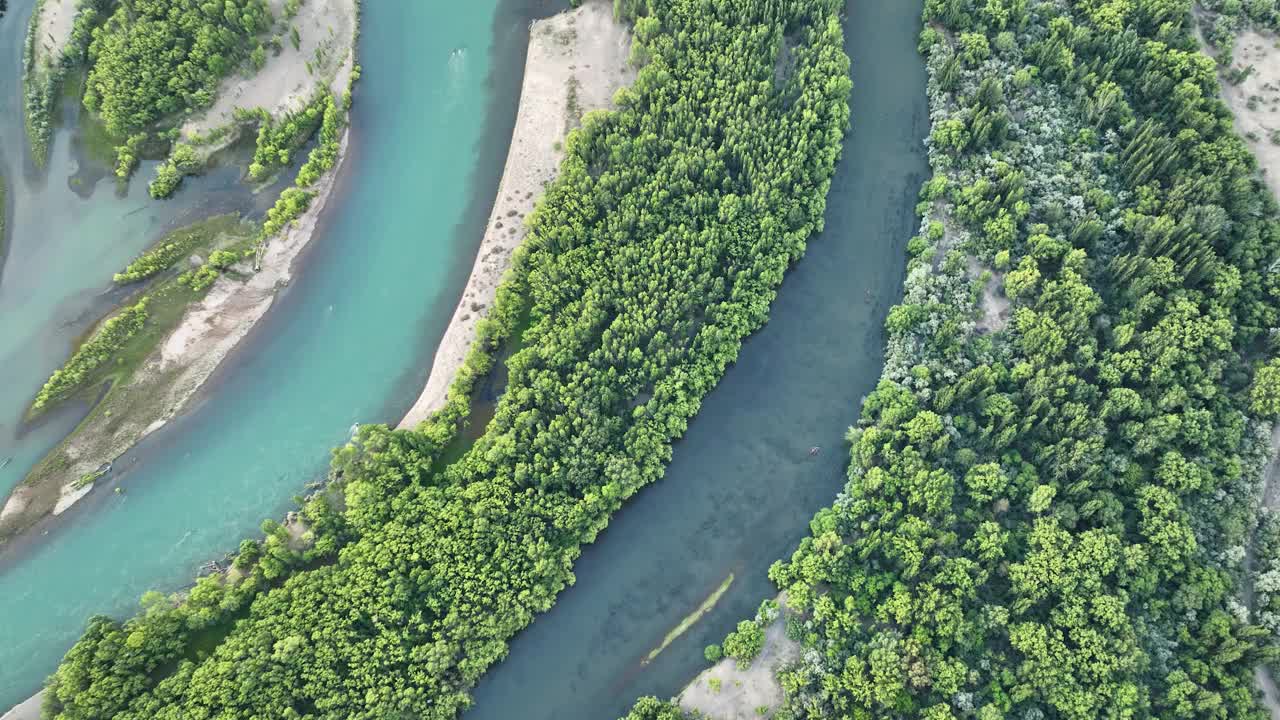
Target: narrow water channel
x=742, y=485
x=350, y=341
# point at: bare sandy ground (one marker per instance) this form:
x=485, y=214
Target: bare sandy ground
x=1255, y=102
x=56, y=20
x=325, y=54
x=584, y=49
x=29, y=710
x=742, y=692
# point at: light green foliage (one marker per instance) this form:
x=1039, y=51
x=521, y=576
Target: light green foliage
x=713, y=653
x=179, y=245
x=203, y=277
x=183, y=160
x=294, y=201
x=651, y=708
x=200, y=279
x=289, y=207
x=1265, y=393
x=127, y=155
x=223, y=259
x=745, y=643
x=278, y=139
x=88, y=357
x=653, y=255
x=152, y=59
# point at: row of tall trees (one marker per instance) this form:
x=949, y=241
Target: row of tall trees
x=1051, y=520
x=649, y=260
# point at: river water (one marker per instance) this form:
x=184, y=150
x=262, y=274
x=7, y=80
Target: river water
x=350, y=341
x=742, y=485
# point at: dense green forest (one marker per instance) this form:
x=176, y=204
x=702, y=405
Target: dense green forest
x=1052, y=518
x=154, y=58
x=652, y=256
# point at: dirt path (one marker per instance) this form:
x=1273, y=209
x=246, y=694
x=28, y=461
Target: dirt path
x=576, y=61
x=1255, y=105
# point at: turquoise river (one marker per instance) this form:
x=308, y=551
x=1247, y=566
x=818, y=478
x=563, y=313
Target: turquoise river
x=351, y=340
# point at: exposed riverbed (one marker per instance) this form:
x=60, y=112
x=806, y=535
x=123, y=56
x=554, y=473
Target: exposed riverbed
x=349, y=341
x=742, y=485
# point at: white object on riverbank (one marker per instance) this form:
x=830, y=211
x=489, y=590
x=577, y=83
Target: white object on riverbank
x=576, y=61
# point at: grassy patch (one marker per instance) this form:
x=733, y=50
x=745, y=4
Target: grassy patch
x=690, y=619
x=180, y=244
x=96, y=143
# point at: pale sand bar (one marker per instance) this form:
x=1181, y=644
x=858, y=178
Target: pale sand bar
x=585, y=49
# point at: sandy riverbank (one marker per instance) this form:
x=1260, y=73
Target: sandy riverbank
x=1255, y=100
x=210, y=329
x=577, y=60
x=54, y=21
x=28, y=710
x=726, y=692
x=1255, y=106
x=323, y=58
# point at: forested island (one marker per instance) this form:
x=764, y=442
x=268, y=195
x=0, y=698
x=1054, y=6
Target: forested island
x=281, y=70
x=1060, y=496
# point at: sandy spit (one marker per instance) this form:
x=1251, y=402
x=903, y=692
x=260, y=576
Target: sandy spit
x=56, y=21
x=209, y=331
x=584, y=49
x=28, y=710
